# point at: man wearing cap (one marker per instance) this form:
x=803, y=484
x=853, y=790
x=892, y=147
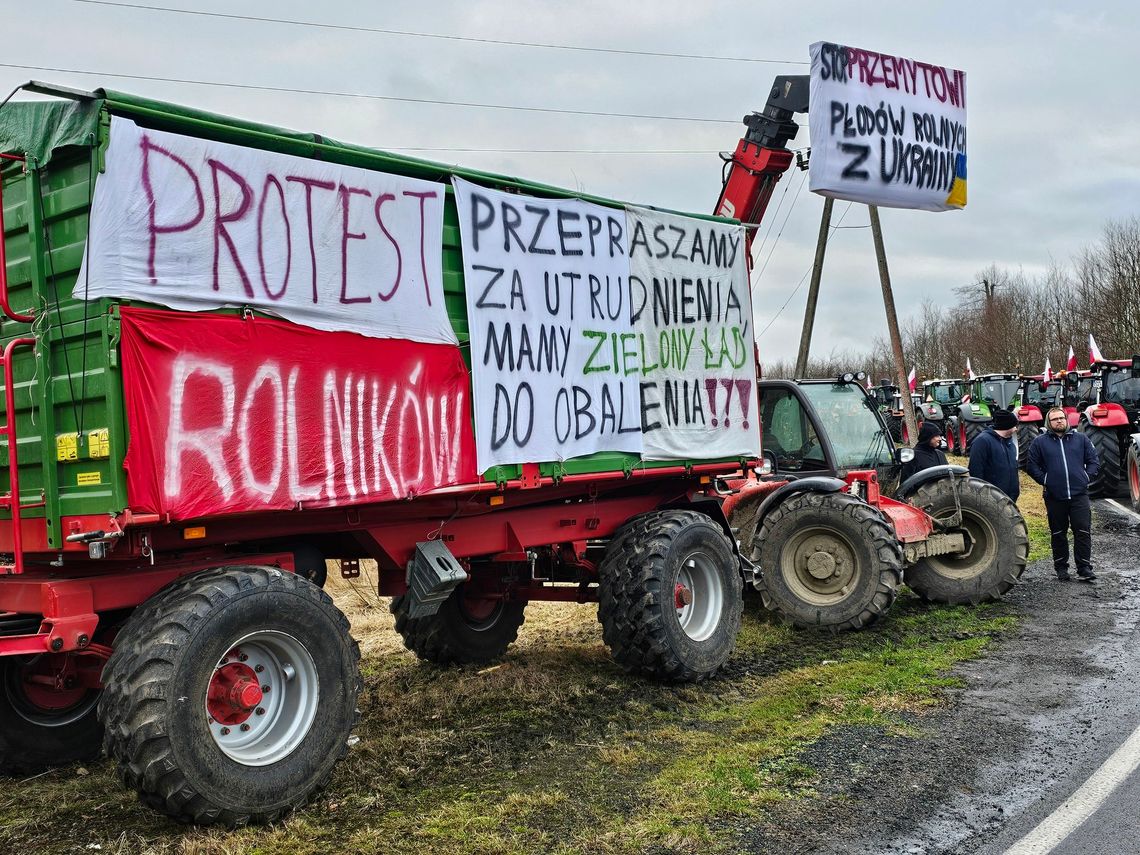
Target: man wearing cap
x=1062, y=461
x=993, y=456
x=927, y=451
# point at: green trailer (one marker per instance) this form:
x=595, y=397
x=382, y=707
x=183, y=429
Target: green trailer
x=166, y=539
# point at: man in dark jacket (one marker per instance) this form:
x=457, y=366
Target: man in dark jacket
x=1063, y=461
x=993, y=456
x=927, y=451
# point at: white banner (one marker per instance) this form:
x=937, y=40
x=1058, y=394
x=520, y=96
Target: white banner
x=692, y=314
x=553, y=357
x=194, y=225
x=887, y=130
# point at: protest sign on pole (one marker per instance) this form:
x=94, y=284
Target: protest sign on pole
x=886, y=130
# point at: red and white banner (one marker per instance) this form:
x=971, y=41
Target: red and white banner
x=231, y=415
x=1071, y=363
x=195, y=224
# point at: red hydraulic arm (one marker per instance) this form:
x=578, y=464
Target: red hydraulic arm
x=762, y=155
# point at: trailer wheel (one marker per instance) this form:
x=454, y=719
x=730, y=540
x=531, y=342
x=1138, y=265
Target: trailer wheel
x=1134, y=476
x=671, y=596
x=828, y=561
x=1109, y=480
x=465, y=630
x=1026, y=433
x=230, y=695
x=997, y=543
x=970, y=432
x=41, y=726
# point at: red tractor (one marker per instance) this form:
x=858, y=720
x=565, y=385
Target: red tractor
x=831, y=546
x=1111, y=422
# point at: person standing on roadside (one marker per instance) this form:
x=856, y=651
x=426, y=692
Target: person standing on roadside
x=1062, y=461
x=927, y=451
x=993, y=455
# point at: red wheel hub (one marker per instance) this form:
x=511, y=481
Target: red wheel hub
x=52, y=684
x=234, y=693
x=682, y=596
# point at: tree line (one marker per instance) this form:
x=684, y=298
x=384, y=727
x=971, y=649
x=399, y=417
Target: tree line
x=1008, y=321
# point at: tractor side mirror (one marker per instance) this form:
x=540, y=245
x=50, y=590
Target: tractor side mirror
x=767, y=463
x=904, y=455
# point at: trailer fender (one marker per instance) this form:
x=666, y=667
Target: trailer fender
x=911, y=484
x=710, y=506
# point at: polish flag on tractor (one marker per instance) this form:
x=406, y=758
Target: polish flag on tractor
x=1071, y=365
x=1094, y=351
x=1048, y=374
x=969, y=370
x=911, y=379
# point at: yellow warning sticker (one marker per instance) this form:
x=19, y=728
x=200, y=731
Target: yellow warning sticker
x=99, y=444
x=85, y=478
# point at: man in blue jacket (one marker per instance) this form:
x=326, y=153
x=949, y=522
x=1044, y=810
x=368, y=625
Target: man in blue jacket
x=1062, y=461
x=993, y=455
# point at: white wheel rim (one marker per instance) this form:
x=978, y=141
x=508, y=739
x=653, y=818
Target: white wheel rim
x=700, y=616
x=265, y=732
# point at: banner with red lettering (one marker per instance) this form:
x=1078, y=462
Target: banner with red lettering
x=194, y=224
x=886, y=130
x=229, y=415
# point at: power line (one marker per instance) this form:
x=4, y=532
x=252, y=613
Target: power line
x=803, y=278
x=329, y=92
x=441, y=36
x=803, y=180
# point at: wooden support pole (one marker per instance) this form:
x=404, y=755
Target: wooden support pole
x=813, y=288
x=893, y=325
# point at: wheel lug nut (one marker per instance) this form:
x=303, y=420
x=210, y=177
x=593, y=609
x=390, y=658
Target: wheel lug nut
x=264, y=690
x=243, y=657
x=258, y=668
x=244, y=728
x=225, y=731
x=260, y=710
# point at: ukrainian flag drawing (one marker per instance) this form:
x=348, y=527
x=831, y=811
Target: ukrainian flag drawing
x=957, y=197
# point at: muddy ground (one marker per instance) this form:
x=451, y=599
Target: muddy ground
x=1039, y=710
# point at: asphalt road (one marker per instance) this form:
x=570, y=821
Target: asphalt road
x=1008, y=758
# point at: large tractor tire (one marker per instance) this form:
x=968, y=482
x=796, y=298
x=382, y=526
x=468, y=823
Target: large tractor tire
x=895, y=427
x=231, y=695
x=671, y=596
x=829, y=561
x=1026, y=433
x=1109, y=481
x=970, y=432
x=1132, y=468
x=997, y=543
x=465, y=631
x=42, y=726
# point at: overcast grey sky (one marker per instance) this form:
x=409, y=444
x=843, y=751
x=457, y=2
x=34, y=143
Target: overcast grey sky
x=1052, y=116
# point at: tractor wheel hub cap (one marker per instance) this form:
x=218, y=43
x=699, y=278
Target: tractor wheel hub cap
x=821, y=565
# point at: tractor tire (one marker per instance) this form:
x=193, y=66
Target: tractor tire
x=671, y=596
x=1109, y=481
x=970, y=432
x=997, y=543
x=41, y=727
x=231, y=695
x=464, y=631
x=828, y=561
x=1026, y=433
x=1133, y=472
x=895, y=428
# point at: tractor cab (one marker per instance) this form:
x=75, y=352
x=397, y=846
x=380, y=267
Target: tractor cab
x=825, y=427
x=1111, y=423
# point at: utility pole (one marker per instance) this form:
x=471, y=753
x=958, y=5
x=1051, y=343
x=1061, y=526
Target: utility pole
x=813, y=288
x=893, y=324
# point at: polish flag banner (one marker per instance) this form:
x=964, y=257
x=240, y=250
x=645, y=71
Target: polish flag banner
x=1071, y=364
x=1094, y=351
x=232, y=414
x=969, y=369
x=910, y=380
x=1048, y=373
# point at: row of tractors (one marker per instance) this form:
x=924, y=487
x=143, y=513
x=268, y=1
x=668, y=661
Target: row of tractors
x=1102, y=402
